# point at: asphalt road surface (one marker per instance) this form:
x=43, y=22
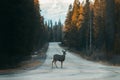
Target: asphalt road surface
x=74, y=68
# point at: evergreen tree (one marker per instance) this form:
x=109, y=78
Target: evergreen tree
x=68, y=19
x=75, y=14
x=99, y=23
x=110, y=24
x=117, y=27
x=86, y=23
x=67, y=26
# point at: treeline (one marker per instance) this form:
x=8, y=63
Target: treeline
x=93, y=27
x=22, y=31
x=54, y=31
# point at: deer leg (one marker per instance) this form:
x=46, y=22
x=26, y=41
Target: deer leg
x=61, y=64
x=55, y=64
x=52, y=63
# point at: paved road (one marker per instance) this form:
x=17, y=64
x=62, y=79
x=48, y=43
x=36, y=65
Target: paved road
x=75, y=68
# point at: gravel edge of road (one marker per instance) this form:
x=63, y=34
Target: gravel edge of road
x=34, y=62
x=104, y=62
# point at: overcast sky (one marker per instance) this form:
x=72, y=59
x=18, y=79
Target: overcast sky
x=55, y=9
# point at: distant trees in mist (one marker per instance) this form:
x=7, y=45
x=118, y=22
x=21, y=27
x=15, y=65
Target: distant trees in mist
x=54, y=31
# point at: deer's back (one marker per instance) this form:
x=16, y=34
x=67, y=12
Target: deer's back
x=59, y=57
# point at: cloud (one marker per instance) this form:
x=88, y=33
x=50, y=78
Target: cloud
x=54, y=9
x=53, y=1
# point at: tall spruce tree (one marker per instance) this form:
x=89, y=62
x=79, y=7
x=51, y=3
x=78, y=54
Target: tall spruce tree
x=110, y=24
x=117, y=27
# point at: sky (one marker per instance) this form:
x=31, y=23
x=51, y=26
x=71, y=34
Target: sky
x=55, y=9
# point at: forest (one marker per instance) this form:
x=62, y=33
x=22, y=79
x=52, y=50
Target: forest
x=60, y=40
x=93, y=28
x=22, y=31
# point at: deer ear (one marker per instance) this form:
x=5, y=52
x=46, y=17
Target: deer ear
x=65, y=50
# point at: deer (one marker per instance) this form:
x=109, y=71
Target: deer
x=59, y=58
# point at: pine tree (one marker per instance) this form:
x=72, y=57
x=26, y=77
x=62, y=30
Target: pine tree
x=81, y=16
x=99, y=23
x=68, y=19
x=70, y=38
x=75, y=14
x=117, y=27
x=60, y=30
x=67, y=26
x=110, y=24
x=86, y=23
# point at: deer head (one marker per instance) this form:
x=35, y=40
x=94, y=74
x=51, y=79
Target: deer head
x=64, y=52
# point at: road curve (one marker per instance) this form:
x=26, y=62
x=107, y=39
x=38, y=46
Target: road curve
x=74, y=68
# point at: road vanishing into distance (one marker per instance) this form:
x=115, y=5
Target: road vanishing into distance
x=74, y=68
